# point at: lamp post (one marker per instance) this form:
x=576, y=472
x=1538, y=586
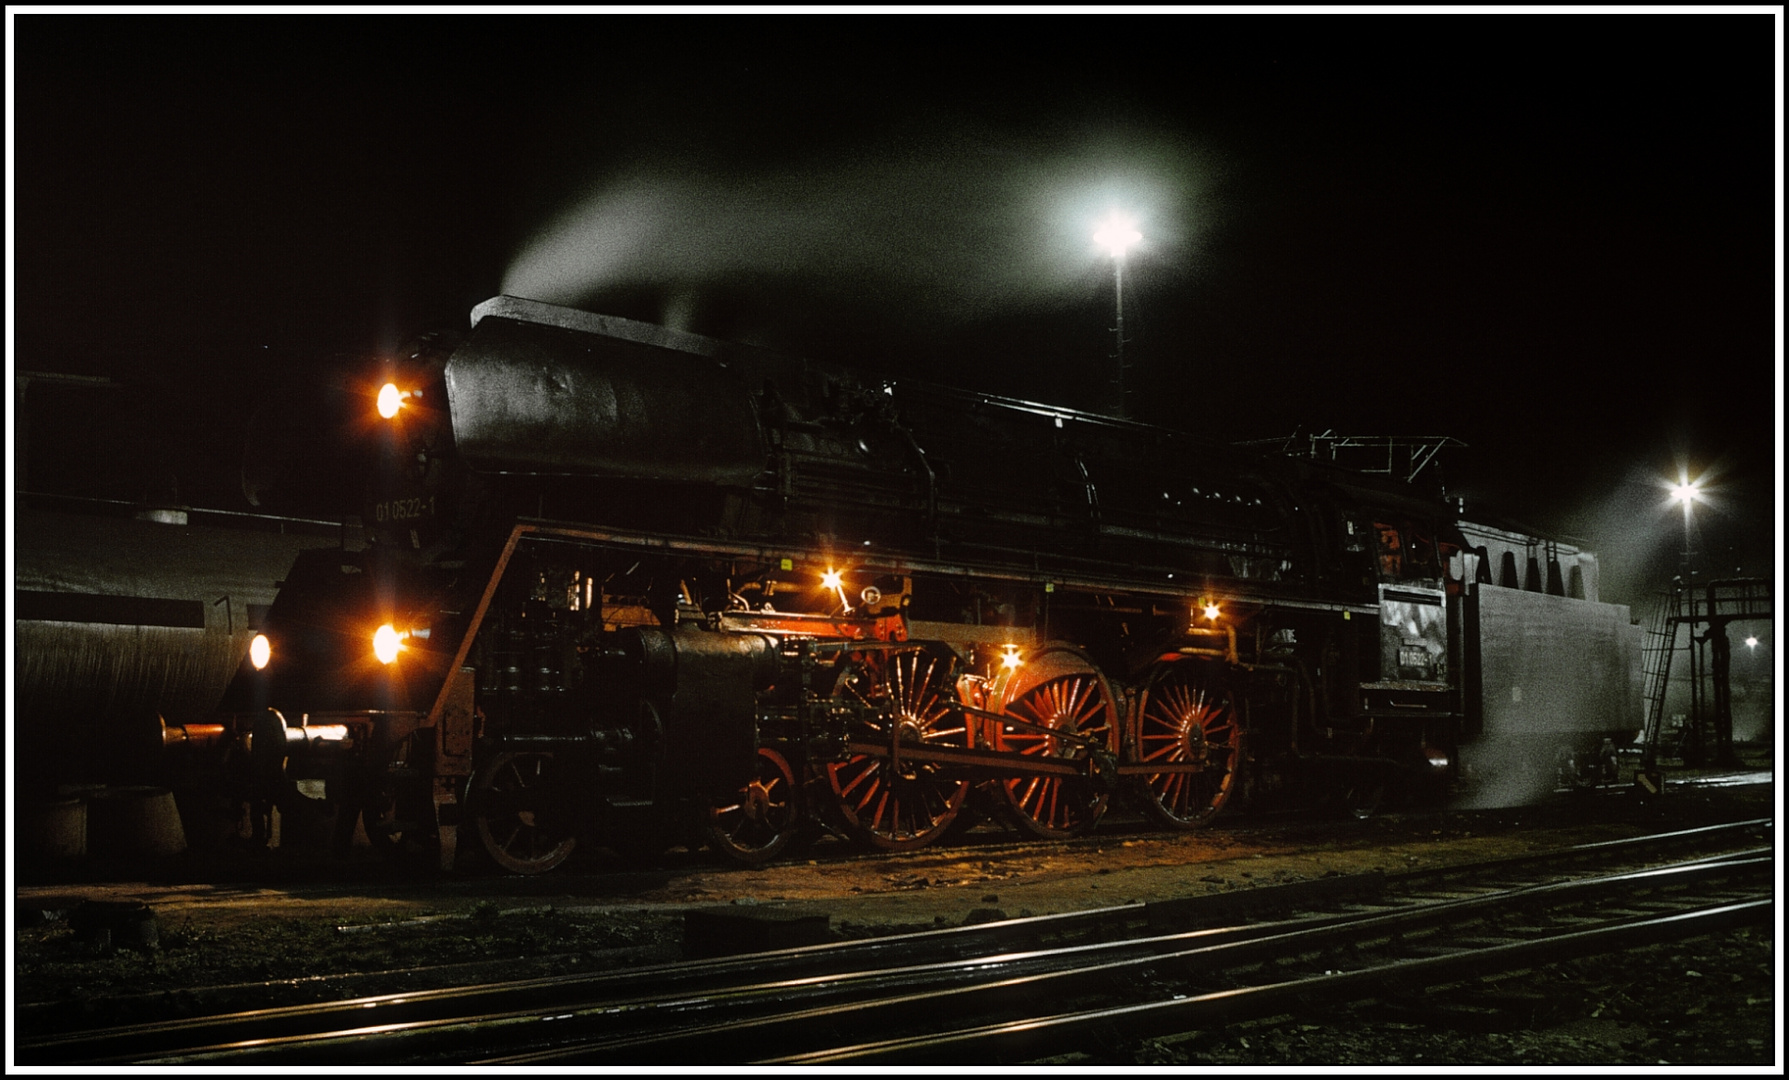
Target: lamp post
x=1116, y=234
x=1687, y=491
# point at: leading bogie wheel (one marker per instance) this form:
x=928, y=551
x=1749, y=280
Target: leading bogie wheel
x=1187, y=717
x=909, y=696
x=1057, y=688
x=519, y=816
x=396, y=810
x=1363, y=795
x=758, y=822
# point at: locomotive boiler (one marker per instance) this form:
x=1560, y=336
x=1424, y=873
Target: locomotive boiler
x=631, y=586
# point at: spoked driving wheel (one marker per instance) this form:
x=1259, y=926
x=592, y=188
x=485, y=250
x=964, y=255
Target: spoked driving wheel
x=910, y=698
x=1187, y=718
x=519, y=816
x=1067, y=710
x=756, y=824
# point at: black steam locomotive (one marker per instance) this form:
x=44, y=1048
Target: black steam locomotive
x=630, y=586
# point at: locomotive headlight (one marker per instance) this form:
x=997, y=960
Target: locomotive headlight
x=390, y=401
x=835, y=581
x=260, y=651
x=386, y=643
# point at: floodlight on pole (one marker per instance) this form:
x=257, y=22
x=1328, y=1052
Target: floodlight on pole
x=1688, y=492
x=1117, y=234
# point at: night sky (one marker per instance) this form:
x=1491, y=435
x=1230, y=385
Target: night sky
x=1551, y=237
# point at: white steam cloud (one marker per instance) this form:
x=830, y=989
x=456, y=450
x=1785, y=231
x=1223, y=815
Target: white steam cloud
x=961, y=230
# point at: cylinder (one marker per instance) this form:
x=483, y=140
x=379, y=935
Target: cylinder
x=120, y=620
x=134, y=823
x=53, y=832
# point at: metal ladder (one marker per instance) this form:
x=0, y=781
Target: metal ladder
x=1656, y=655
x=1715, y=605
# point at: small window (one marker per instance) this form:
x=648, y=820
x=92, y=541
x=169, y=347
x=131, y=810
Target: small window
x=1391, y=550
x=1420, y=560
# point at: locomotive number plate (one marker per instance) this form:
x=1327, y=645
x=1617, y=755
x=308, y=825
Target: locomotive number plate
x=404, y=509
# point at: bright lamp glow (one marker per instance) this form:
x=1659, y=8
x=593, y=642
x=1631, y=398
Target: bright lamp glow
x=1687, y=492
x=835, y=581
x=1010, y=658
x=260, y=651
x=1211, y=609
x=386, y=643
x=390, y=400
x=1117, y=233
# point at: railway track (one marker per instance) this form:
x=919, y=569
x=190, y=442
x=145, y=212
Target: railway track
x=1407, y=951
x=1020, y=989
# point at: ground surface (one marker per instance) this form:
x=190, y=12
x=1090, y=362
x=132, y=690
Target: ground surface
x=1711, y=1001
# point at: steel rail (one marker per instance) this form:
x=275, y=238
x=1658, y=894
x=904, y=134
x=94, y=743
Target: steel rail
x=562, y=1035
x=1048, y=1036
x=409, y=1006
x=1593, y=850
x=937, y=948
x=1011, y=984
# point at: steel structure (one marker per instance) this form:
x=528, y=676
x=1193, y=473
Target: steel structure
x=1700, y=617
